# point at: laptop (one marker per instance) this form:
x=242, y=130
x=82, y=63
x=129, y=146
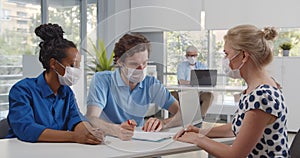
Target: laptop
x=190, y=108
x=206, y=77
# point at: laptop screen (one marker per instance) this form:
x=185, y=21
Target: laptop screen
x=190, y=107
x=203, y=77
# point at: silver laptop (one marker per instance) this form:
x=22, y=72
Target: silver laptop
x=190, y=108
x=206, y=77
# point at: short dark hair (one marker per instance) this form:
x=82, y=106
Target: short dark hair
x=129, y=44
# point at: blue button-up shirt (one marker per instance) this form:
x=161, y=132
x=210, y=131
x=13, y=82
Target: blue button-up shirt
x=33, y=107
x=119, y=103
x=184, y=70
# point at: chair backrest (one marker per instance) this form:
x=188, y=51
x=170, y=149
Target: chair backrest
x=206, y=99
x=4, y=127
x=295, y=146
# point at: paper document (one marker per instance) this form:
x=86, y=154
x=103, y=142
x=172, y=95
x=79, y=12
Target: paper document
x=152, y=136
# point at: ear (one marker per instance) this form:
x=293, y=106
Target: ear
x=52, y=63
x=246, y=56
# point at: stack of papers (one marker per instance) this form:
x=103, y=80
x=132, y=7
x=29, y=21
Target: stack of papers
x=152, y=136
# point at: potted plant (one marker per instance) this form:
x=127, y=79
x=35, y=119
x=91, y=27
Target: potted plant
x=101, y=61
x=286, y=46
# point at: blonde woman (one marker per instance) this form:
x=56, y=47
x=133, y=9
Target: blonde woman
x=260, y=122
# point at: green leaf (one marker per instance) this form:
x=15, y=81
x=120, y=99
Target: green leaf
x=102, y=62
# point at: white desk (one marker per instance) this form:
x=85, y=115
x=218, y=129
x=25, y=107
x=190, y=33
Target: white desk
x=14, y=148
x=217, y=107
x=207, y=88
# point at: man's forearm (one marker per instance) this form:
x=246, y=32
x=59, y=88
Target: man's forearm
x=107, y=128
x=172, y=121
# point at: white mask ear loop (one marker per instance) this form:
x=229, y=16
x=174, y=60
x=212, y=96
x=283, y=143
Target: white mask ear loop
x=60, y=65
x=235, y=57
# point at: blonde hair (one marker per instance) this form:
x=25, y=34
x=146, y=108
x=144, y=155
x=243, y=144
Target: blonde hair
x=254, y=41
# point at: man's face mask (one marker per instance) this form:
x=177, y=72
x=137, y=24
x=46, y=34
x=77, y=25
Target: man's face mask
x=134, y=75
x=71, y=76
x=192, y=60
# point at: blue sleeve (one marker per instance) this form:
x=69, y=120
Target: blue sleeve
x=161, y=96
x=21, y=117
x=98, y=91
x=180, y=72
x=200, y=65
x=75, y=116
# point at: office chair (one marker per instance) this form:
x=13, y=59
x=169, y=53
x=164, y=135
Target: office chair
x=175, y=95
x=206, y=99
x=294, y=148
x=4, y=127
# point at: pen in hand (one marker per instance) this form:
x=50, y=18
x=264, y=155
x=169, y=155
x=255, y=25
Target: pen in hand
x=131, y=123
x=182, y=132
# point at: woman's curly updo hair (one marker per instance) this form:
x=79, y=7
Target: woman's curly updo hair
x=253, y=40
x=130, y=44
x=53, y=44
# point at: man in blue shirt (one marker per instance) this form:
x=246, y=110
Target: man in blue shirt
x=118, y=100
x=191, y=63
x=184, y=75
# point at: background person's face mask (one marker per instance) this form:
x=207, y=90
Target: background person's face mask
x=135, y=75
x=227, y=69
x=71, y=76
x=192, y=60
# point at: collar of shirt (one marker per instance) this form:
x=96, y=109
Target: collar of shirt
x=45, y=90
x=120, y=81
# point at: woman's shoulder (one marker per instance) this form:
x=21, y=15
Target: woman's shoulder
x=269, y=89
x=26, y=82
x=23, y=86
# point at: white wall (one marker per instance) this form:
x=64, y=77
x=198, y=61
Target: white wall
x=168, y=15
x=222, y=14
x=284, y=70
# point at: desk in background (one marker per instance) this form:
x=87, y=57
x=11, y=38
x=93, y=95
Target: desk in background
x=14, y=148
x=207, y=88
x=219, y=106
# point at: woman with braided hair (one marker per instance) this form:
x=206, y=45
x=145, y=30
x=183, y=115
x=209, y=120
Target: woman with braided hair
x=44, y=109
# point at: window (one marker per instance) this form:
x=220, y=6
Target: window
x=22, y=30
x=21, y=22
x=176, y=43
x=6, y=14
x=15, y=40
x=68, y=18
x=21, y=14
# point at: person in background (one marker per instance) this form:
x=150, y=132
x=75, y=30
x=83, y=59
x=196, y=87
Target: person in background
x=184, y=74
x=118, y=100
x=191, y=63
x=259, y=124
x=44, y=109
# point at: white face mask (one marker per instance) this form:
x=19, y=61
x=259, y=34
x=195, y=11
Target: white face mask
x=71, y=76
x=135, y=75
x=192, y=60
x=228, y=71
